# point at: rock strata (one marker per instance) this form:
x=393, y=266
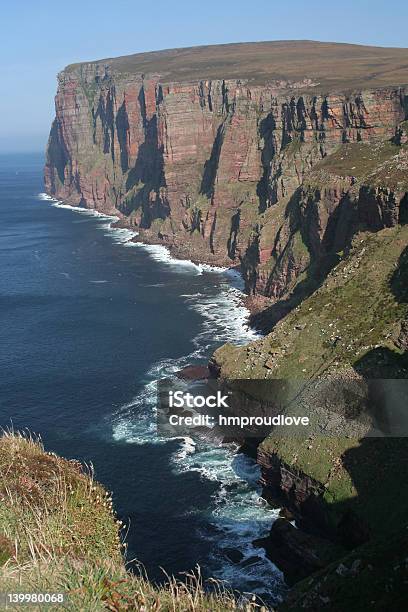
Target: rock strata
x=214, y=167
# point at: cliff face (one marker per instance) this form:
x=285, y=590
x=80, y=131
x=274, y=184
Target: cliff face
x=360, y=187
x=207, y=167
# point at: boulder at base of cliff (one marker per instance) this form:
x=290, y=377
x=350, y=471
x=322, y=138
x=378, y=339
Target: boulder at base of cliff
x=194, y=372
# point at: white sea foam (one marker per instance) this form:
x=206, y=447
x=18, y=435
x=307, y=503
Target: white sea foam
x=187, y=447
x=224, y=316
x=157, y=252
x=120, y=235
x=91, y=212
x=239, y=516
x=162, y=254
x=45, y=196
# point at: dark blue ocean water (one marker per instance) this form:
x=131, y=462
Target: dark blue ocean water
x=87, y=324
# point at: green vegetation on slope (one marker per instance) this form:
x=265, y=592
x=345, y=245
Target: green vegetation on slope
x=353, y=313
x=376, y=165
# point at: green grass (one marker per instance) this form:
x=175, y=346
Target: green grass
x=373, y=165
x=355, y=303
x=358, y=159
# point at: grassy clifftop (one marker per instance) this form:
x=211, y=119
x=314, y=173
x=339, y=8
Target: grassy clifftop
x=328, y=65
x=58, y=533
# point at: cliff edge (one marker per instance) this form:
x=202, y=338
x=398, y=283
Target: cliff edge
x=59, y=536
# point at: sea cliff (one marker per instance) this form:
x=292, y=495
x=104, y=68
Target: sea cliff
x=207, y=159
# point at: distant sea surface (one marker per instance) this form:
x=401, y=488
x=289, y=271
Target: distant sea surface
x=88, y=323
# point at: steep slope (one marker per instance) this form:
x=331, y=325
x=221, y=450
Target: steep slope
x=346, y=231
x=201, y=149
x=374, y=577
x=344, y=319
x=59, y=536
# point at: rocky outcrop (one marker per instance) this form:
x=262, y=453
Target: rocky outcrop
x=305, y=497
x=283, y=482
x=208, y=167
x=296, y=553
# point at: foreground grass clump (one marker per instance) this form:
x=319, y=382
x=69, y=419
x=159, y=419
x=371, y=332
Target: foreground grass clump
x=59, y=534
x=50, y=507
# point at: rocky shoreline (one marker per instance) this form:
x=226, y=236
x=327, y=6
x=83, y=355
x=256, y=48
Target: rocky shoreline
x=337, y=542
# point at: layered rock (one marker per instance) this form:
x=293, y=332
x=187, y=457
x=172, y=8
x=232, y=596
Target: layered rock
x=206, y=167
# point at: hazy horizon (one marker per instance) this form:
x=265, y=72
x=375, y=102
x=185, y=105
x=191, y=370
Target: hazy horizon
x=49, y=38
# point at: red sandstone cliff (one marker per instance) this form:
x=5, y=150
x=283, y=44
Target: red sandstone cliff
x=214, y=167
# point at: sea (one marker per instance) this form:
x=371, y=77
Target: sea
x=89, y=321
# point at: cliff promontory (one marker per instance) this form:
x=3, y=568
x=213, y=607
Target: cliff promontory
x=61, y=543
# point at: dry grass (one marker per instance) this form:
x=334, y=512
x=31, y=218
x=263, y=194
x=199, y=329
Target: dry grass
x=50, y=506
x=107, y=586
x=59, y=533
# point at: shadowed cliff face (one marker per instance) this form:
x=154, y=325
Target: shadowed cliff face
x=216, y=168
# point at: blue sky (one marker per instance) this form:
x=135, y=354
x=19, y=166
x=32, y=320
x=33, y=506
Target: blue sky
x=39, y=37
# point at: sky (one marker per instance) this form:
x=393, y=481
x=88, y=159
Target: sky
x=39, y=37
